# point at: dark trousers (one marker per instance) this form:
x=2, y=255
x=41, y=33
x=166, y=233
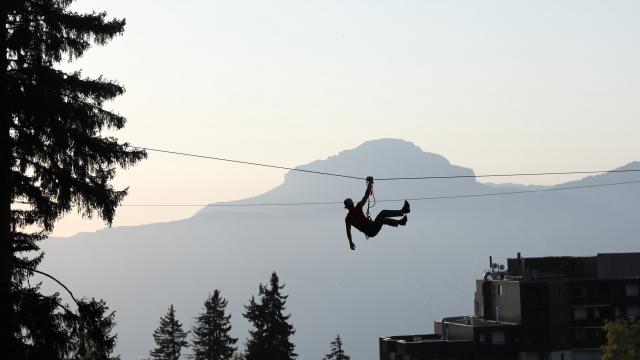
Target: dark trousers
x=384, y=218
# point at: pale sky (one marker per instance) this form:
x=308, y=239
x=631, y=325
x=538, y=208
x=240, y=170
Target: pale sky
x=496, y=86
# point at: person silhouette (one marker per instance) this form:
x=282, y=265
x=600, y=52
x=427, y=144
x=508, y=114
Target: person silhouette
x=356, y=217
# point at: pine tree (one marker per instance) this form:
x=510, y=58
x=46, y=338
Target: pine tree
x=93, y=331
x=623, y=340
x=211, y=332
x=67, y=335
x=169, y=338
x=53, y=156
x=270, y=336
x=337, y=353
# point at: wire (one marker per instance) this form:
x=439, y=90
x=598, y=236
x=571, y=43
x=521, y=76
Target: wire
x=519, y=192
x=388, y=178
x=504, y=193
x=509, y=175
x=383, y=179
x=246, y=162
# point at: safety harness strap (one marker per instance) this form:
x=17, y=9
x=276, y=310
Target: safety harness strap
x=369, y=206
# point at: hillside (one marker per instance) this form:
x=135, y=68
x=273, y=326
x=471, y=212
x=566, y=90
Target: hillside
x=395, y=283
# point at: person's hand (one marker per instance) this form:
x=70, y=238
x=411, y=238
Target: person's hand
x=352, y=246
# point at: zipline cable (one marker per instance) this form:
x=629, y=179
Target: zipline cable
x=443, y=197
x=547, y=173
x=245, y=162
x=510, y=175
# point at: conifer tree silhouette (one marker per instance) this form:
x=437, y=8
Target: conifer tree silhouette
x=211, y=338
x=270, y=336
x=170, y=338
x=53, y=157
x=91, y=333
x=336, y=351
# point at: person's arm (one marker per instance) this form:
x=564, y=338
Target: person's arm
x=366, y=195
x=351, y=244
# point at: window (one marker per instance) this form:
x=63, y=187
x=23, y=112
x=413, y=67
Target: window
x=580, y=336
x=579, y=314
x=481, y=338
x=596, y=313
x=578, y=291
x=633, y=311
x=617, y=313
x=497, y=337
x=632, y=290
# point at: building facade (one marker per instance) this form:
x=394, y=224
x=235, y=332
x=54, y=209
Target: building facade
x=547, y=308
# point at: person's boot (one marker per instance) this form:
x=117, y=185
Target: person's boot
x=406, y=208
x=403, y=221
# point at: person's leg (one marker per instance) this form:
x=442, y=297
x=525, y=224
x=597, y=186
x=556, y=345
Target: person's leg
x=389, y=213
x=374, y=229
x=392, y=222
x=406, y=208
x=384, y=218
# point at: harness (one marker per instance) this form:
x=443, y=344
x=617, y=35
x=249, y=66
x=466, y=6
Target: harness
x=369, y=206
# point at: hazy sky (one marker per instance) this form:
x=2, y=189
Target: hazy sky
x=497, y=86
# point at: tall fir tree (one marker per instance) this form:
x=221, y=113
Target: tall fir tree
x=53, y=157
x=170, y=338
x=211, y=338
x=270, y=336
x=336, y=350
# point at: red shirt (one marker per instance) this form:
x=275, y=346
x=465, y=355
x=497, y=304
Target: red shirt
x=357, y=219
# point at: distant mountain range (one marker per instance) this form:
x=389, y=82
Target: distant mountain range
x=395, y=283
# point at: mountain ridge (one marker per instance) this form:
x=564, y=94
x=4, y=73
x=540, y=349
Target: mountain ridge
x=368, y=156
x=396, y=283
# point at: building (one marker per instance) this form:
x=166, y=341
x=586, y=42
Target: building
x=547, y=308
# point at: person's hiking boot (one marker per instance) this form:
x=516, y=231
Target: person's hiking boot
x=406, y=208
x=403, y=221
